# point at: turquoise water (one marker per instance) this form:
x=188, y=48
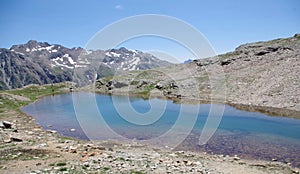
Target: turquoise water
x=247, y=134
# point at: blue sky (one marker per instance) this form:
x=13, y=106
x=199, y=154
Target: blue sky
x=226, y=24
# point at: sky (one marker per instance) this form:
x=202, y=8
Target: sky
x=225, y=24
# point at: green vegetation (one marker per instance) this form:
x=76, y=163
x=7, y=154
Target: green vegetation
x=61, y=163
x=62, y=169
x=136, y=172
x=134, y=82
x=107, y=79
x=143, y=75
x=147, y=89
x=31, y=92
x=228, y=55
x=34, y=91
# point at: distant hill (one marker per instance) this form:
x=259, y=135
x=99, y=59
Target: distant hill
x=43, y=63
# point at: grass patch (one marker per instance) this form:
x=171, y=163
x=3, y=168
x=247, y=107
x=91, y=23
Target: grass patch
x=62, y=169
x=61, y=164
x=136, y=172
x=147, y=89
x=31, y=92
x=134, y=82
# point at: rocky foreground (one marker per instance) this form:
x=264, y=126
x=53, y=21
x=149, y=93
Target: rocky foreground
x=262, y=76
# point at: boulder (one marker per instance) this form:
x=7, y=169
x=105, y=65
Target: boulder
x=226, y=62
x=6, y=124
x=161, y=85
x=118, y=84
x=142, y=83
x=16, y=139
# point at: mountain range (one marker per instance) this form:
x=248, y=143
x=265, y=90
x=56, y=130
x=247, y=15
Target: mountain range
x=44, y=63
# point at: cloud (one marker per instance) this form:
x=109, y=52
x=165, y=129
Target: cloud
x=119, y=7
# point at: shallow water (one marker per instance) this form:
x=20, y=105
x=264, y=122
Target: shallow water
x=247, y=134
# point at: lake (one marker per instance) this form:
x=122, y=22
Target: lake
x=158, y=122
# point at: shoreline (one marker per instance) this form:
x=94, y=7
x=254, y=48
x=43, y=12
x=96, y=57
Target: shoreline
x=74, y=152
x=270, y=111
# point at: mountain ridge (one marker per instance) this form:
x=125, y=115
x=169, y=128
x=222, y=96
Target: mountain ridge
x=44, y=63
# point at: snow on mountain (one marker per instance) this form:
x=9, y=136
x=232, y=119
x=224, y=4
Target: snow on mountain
x=57, y=63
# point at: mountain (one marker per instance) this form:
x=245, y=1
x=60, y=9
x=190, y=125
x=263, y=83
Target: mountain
x=43, y=63
x=261, y=74
x=188, y=61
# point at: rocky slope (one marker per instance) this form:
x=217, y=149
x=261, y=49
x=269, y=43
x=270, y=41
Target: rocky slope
x=42, y=63
x=261, y=74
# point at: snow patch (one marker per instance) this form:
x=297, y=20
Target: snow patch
x=134, y=51
x=115, y=54
x=133, y=63
x=70, y=60
x=80, y=66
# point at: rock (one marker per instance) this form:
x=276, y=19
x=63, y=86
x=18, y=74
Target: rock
x=119, y=84
x=296, y=171
x=173, y=85
x=16, y=139
x=261, y=53
x=7, y=141
x=86, y=164
x=52, y=131
x=274, y=159
x=225, y=62
x=236, y=157
x=100, y=147
x=161, y=85
x=142, y=84
x=7, y=124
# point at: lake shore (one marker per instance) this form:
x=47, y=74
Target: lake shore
x=272, y=111
x=26, y=147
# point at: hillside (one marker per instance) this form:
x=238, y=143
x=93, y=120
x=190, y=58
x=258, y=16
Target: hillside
x=43, y=63
x=260, y=74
